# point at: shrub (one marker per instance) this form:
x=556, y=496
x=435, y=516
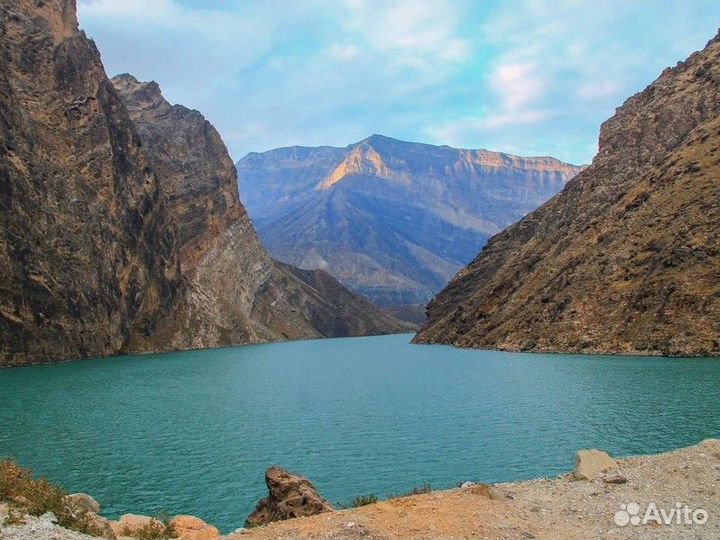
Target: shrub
x=14, y=517
x=418, y=490
x=39, y=496
x=363, y=500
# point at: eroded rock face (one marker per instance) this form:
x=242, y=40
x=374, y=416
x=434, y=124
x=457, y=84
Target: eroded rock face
x=87, y=256
x=626, y=258
x=121, y=229
x=290, y=496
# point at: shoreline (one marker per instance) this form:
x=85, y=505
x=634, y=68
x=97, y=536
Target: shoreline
x=559, y=507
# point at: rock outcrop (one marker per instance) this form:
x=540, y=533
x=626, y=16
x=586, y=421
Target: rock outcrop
x=290, y=496
x=192, y=528
x=590, y=463
x=626, y=258
x=121, y=229
x=390, y=219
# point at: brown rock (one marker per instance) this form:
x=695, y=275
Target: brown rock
x=290, y=496
x=102, y=525
x=590, y=463
x=192, y=528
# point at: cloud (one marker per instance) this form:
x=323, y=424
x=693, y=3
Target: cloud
x=528, y=76
x=416, y=33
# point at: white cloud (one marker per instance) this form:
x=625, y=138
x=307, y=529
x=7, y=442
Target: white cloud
x=420, y=34
x=518, y=84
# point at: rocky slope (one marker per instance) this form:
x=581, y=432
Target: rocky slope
x=390, y=219
x=626, y=259
x=120, y=227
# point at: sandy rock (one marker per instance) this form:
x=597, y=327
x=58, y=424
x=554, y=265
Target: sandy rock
x=192, y=528
x=83, y=501
x=590, y=463
x=290, y=496
x=131, y=524
x=101, y=524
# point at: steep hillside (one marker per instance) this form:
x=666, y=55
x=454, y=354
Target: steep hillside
x=120, y=225
x=87, y=254
x=627, y=258
x=390, y=219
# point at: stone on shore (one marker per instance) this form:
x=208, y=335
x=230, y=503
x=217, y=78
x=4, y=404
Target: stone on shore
x=132, y=524
x=193, y=528
x=590, y=463
x=83, y=501
x=290, y=496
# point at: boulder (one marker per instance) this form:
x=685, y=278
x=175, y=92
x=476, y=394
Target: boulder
x=101, y=525
x=192, y=528
x=590, y=463
x=132, y=524
x=83, y=501
x=290, y=496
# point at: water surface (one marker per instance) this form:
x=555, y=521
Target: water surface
x=192, y=432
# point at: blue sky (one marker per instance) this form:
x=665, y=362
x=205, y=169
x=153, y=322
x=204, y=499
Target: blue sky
x=531, y=77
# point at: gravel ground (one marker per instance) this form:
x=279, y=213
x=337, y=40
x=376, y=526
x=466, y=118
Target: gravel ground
x=545, y=508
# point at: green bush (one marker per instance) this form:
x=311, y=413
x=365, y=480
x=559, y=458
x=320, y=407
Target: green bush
x=419, y=490
x=363, y=500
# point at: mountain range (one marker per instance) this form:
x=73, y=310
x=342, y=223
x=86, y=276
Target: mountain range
x=627, y=258
x=390, y=219
x=121, y=229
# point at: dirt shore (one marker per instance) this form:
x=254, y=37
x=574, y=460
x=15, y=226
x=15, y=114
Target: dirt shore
x=545, y=508
x=561, y=507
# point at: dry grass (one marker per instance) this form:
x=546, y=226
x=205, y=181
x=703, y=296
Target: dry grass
x=36, y=496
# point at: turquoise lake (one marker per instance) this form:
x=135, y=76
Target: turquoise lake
x=193, y=432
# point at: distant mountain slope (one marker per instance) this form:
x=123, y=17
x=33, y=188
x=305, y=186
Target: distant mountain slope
x=390, y=219
x=627, y=258
x=121, y=229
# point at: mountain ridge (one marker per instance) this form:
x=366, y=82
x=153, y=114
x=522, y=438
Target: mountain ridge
x=393, y=220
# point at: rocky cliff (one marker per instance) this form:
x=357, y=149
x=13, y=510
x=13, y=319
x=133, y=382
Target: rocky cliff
x=626, y=259
x=87, y=256
x=390, y=219
x=120, y=225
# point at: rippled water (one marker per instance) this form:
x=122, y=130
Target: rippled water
x=193, y=432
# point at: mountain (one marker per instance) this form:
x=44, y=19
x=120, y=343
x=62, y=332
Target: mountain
x=121, y=229
x=390, y=219
x=627, y=258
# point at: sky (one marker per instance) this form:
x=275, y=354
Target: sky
x=529, y=77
